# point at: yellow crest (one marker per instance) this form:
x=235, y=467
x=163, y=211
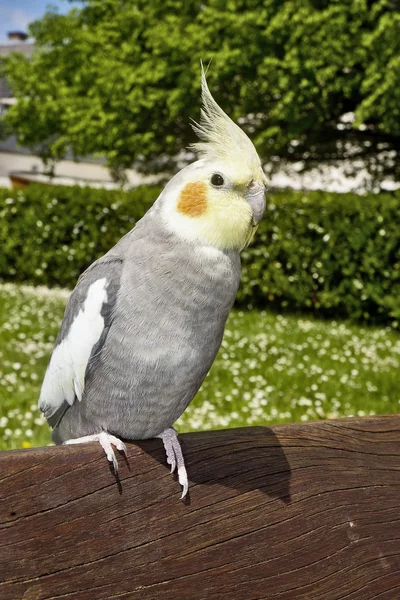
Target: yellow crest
x=221, y=139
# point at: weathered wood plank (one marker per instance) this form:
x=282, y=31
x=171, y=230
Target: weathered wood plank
x=303, y=511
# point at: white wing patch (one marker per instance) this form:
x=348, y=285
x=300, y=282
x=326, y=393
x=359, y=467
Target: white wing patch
x=65, y=375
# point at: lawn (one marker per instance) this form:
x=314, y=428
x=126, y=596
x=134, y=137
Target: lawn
x=270, y=369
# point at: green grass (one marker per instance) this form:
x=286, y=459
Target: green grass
x=270, y=369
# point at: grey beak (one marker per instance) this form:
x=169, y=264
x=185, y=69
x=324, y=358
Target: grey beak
x=256, y=200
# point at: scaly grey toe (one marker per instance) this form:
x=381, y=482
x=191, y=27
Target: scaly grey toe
x=174, y=454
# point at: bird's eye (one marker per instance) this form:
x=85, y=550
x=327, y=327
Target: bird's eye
x=217, y=180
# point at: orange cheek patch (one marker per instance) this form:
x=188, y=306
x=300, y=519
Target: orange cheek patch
x=193, y=199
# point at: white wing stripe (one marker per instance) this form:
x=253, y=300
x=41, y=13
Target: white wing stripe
x=65, y=375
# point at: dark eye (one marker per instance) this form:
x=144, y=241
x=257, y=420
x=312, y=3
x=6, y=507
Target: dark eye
x=217, y=180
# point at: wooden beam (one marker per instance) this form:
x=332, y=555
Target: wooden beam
x=291, y=512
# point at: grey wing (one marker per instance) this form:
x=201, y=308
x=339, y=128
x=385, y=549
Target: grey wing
x=87, y=320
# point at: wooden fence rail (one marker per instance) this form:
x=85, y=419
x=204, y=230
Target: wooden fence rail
x=303, y=511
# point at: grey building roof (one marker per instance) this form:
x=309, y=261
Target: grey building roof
x=22, y=47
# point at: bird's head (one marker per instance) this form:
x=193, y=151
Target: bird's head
x=219, y=199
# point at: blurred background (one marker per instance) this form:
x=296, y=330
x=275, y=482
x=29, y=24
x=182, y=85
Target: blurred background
x=96, y=101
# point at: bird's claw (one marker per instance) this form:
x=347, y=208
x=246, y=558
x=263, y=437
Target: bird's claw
x=183, y=480
x=106, y=441
x=174, y=454
x=171, y=444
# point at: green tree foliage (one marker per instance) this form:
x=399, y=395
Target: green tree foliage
x=120, y=78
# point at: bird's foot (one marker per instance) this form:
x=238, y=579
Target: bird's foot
x=106, y=441
x=175, y=457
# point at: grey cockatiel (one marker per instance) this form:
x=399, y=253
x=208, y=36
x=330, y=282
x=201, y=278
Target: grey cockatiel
x=145, y=321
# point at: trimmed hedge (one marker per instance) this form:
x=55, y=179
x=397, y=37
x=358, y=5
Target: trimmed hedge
x=335, y=254
x=50, y=234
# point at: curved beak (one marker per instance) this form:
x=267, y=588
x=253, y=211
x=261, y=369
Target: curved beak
x=256, y=199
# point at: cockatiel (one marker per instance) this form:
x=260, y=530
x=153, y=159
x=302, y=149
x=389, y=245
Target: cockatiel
x=145, y=321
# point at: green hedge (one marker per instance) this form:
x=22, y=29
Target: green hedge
x=50, y=234
x=335, y=254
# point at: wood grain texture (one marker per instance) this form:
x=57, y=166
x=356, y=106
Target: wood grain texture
x=302, y=511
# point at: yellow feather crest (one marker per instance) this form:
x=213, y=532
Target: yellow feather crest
x=221, y=138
